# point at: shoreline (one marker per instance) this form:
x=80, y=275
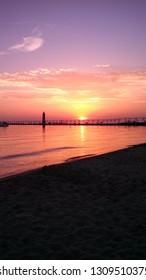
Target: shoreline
x=69, y=160
x=90, y=208
x=37, y=169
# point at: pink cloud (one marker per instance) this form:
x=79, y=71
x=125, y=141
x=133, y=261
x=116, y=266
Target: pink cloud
x=102, y=92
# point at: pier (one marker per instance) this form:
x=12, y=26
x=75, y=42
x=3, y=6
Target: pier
x=117, y=121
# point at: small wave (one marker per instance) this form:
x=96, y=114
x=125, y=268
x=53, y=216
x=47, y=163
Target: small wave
x=36, y=153
x=80, y=157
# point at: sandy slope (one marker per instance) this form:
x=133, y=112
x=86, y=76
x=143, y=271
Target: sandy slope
x=94, y=208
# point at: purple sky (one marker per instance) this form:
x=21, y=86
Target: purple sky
x=43, y=41
x=75, y=34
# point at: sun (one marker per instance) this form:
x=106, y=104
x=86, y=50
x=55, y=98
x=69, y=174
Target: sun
x=82, y=118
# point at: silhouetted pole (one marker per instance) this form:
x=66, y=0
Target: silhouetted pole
x=43, y=119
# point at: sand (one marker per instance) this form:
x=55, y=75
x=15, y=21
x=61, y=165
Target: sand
x=93, y=208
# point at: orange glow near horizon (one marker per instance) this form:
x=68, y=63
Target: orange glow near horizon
x=71, y=95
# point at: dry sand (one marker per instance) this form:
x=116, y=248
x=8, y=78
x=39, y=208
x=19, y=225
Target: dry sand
x=93, y=208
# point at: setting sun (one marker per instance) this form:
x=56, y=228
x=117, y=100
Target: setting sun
x=82, y=118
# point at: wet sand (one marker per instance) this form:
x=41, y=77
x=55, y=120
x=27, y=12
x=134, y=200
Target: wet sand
x=93, y=208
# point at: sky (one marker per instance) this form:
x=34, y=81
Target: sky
x=72, y=59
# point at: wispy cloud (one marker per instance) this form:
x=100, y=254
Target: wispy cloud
x=101, y=66
x=27, y=44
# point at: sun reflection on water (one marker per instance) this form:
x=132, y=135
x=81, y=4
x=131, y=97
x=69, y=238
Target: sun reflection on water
x=82, y=130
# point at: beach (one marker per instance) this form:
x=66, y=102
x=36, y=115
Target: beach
x=91, y=208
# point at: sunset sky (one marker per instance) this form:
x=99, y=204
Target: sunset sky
x=71, y=59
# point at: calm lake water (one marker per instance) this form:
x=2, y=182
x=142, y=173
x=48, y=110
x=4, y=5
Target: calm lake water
x=28, y=147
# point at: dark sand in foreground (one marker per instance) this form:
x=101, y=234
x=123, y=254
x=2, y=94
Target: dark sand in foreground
x=94, y=208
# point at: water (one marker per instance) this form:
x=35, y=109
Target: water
x=24, y=148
